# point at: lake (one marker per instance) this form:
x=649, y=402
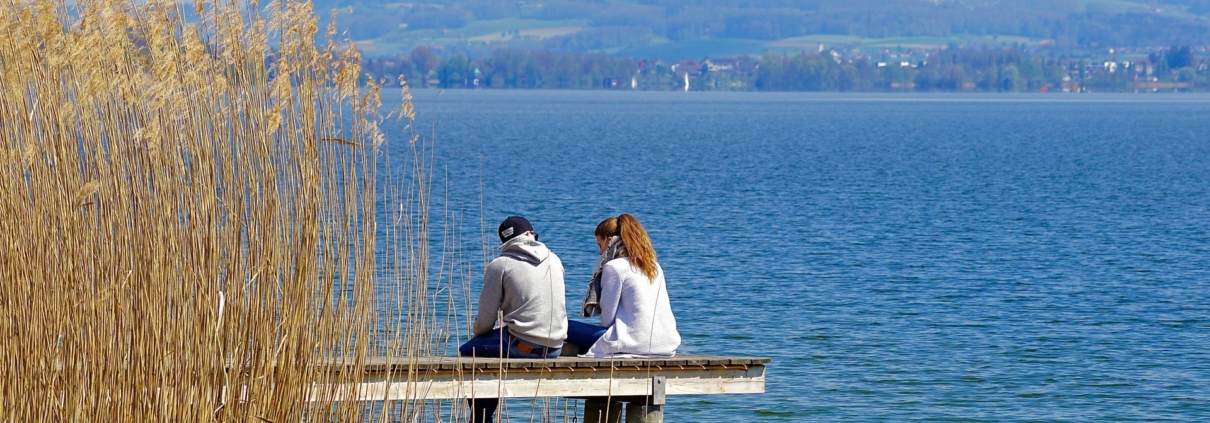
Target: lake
x=1000, y=258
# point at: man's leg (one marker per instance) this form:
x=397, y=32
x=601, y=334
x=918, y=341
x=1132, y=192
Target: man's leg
x=483, y=410
x=487, y=345
x=490, y=345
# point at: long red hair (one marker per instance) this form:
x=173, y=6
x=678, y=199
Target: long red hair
x=639, y=251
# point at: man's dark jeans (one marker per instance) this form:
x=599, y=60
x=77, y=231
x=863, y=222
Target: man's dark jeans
x=495, y=344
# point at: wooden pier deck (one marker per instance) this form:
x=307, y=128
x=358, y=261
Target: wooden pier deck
x=642, y=383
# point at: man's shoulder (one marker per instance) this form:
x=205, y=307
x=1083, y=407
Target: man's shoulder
x=501, y=261
x=506, y=260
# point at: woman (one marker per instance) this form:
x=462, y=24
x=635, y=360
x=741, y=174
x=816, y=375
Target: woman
x=611, y=248
x=636, y=316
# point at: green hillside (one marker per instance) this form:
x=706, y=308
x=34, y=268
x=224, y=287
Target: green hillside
x=670, y=29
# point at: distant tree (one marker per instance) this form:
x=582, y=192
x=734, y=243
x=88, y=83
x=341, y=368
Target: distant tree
x=850, y=78
x=769, y=72
x=1186, y=74
x=1161, y=66
x=989, y=79
x=455, y=72
x=954, y=68
x=953, y=78
x=425, y=60
x=390, y=68
x=1180, y=57
x=1010, y=79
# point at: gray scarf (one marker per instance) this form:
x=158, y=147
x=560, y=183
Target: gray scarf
x=592, y=301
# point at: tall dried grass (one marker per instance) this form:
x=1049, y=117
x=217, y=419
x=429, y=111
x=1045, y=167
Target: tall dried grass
x=190, y=216
x=187, y=214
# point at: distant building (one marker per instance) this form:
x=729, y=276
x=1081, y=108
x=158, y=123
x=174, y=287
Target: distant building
x=686, y=67
x=720, y=65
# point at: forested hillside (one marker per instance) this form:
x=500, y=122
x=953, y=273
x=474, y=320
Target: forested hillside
x=814, y=45
x=666, y=28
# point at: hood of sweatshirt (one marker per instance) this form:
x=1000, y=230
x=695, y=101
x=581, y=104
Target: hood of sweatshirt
x=526, y=249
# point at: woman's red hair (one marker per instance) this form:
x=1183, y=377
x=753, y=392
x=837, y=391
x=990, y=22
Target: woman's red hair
x=639, y=251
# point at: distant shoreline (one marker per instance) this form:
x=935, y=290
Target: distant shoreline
x=957, y=69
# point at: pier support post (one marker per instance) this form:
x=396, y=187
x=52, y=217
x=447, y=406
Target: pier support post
x=602, y=410
x=640, y=413
x=648, y=409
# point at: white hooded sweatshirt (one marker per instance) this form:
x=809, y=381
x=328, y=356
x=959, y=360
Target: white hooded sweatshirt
x=637, y=312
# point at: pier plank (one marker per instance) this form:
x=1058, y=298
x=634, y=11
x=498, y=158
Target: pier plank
x=475, y=377
x=398, y=364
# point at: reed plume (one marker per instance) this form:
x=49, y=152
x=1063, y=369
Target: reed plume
x=193, y=223
x=187, y=212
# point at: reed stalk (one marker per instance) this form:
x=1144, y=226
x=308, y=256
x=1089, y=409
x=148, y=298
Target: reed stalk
x=187, y=212
x=194, y=226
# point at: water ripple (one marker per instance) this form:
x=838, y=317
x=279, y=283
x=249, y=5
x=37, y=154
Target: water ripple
x=915, y=258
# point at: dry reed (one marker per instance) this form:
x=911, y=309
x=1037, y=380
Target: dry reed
x=189, y=218
x=187, y=213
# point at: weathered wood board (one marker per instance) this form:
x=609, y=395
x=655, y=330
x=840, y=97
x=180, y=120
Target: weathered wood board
x=421, y=378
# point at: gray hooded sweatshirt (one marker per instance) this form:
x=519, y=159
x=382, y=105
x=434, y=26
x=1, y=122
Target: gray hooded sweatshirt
x=526, y=284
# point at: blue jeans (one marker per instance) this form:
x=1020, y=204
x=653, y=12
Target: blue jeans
x=583, y=334
x=495, y=344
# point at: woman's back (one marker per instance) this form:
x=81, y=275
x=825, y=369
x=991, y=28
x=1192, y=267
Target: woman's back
x=637, y=311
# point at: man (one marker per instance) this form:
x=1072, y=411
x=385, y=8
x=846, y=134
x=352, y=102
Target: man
x=525, y=286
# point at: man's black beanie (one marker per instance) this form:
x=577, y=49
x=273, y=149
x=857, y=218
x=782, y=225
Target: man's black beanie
x=513, y=226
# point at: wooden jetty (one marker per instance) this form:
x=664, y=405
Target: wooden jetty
x=642, y=384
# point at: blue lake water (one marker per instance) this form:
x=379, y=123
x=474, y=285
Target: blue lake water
x=900, y=257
